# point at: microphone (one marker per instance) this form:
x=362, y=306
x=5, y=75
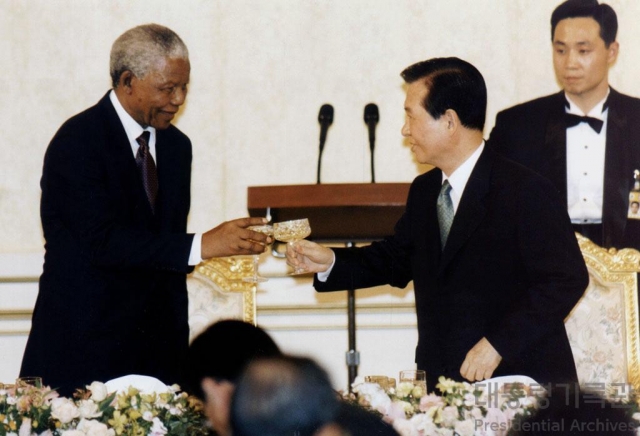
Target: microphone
x=325, y=118
x=371, y=118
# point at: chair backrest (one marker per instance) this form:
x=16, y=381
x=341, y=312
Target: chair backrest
x=217, y=291
x=603, y=326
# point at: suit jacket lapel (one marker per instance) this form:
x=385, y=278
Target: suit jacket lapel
x=618, y=175
x=168, y=196
x=163, y=164
x=471, y=209
x=122, y=157
x=556, y=145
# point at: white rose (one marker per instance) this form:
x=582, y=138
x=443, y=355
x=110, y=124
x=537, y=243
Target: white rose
x=88, y=409
x=449, y=416
x=423, y=423
x=25, y=428
x=91, y=427
x=158, y=428
x=403, y=427
x=98, y=391
x=404, y=389
x=73, y=433
x=147, y=416
x=476, y=413
x=418, y=392
x=469, y=400
x=64, y=410
x=465, y=428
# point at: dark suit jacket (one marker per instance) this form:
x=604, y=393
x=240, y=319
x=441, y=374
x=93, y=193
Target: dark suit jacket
x=534, y=135
x=511, y=271
x=112, y=298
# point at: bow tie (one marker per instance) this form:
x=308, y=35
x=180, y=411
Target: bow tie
x=573, y=120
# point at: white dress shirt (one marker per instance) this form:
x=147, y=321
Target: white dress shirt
x=585, y=166
x=133, y=131
x=458, y=181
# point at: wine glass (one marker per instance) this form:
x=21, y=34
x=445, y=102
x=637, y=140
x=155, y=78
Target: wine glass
x=25, y=382
x=291, y=232
x=416, y=377
x=257, y=278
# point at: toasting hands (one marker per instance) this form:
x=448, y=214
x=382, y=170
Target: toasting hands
x=480, y=362
x=309, y=256
x=233, y=237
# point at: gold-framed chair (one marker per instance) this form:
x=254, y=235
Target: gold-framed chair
x=217, y=291
x=603, y=326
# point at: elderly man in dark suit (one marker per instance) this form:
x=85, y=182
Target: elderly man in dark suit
x=495, y=264
x=115, y=198
x=584, y=138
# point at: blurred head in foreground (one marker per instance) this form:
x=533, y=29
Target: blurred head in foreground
x=216, y=359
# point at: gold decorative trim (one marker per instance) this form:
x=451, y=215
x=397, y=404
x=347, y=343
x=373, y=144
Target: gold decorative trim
x=20, y=279
x=620, y=266
x=16, y=314
x=336, y=308
x=14, y=332
x=227, y=273
x=340, y=327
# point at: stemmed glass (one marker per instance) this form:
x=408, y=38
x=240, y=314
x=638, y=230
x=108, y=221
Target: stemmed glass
x=291, y=232
x=25, y=382
x=416, y=377
x=257, y=278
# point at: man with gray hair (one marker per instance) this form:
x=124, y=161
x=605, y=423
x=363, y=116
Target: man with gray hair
x=115, y=199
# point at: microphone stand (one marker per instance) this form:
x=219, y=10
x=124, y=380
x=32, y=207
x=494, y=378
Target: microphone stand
x=319, y=164
x=371, y=147
x=352, y=356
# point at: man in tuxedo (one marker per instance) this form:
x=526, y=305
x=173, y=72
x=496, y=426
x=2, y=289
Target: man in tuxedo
x=495, y=264
x=115, y=199
x=584, y=138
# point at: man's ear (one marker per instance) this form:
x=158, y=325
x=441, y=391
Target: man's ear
x=451, y=118
x=125, y=80
x=612, y=52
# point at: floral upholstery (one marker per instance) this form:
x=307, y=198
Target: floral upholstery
x=217, y=291
x=603, y=326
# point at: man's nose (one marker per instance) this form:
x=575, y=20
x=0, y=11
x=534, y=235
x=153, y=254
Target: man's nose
x=405, y=130
x=178, y=97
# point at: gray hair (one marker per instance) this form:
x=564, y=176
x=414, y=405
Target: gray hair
x=139, y=49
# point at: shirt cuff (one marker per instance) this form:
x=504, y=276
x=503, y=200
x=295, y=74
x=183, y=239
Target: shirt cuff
x=196, y=250
x=323, y=276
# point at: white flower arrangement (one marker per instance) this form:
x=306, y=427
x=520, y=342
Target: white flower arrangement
x=31, y=411
x=463, y=409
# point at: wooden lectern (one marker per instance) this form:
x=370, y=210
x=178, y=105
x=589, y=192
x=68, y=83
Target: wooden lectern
x=346, y=212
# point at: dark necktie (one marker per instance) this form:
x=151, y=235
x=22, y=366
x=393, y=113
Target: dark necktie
x=445, y=212
x=147, y=169
x=573, y=120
